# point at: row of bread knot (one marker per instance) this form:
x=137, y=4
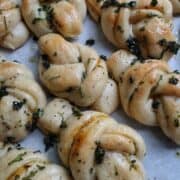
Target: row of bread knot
x=142, y=27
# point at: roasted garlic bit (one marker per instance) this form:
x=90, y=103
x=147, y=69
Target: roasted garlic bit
x=149, y=91
x=138, y=26
x=176, y=6
x=13, y=32
x=75, y=72
x=20, y=163
x=21, y=101
x=64, y=17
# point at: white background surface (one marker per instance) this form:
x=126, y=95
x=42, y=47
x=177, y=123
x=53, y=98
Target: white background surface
x=161, y=161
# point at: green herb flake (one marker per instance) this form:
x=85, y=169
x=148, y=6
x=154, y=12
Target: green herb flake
x=176, y=123
x=76, y=112
x=99, y=153
x=154, y=3
x=45, y=61
x=40, y=167
x=3, y=92
x=31, y=174
x=50, y=141
x=38, y=113
x=155, y=104
x=132, y=164
x=178, y=153
x=18, y=158
x=173, y=80
x=90, y=42
x=36, y=20
x=18, y=105
x=134, y=47
x=63, y=124
x=171, y=46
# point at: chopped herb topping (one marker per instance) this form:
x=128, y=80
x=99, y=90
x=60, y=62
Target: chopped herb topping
x=76, y=112
x=171, y=46
x=83, y=76
x=38, y=113
x=69, y=90
x=99, y=153
x=91, y=170
x=18, y=105
x=36, y=20
x=3, y=92
x=79, y=59
x=176, y=123
x=132, y=164
x=131, y=80
x=178, y=153
x=40, y=167
x=151, y=15
x=134, y=47
x=35, y=38
x=10, y=139
x=103, y=57
x=50, y=141
x=173, y=80
x=63, y=124
x=155, y=104
x=45, y=61
x=18, y=158
x=115, y=3
x=30, y=175
x=116, y=171
x=176, y=72
x=154, y=2
x=120, y=29
x=90, y=42
x=49, y=12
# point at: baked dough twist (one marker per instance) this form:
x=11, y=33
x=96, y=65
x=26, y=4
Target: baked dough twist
x=65, y=17
x=149, y=91
x=21, y=101
x=77, y=73
x=93, y=145
x=137, y=25
x=19, y=163
x=13, y=32
x=176, y=6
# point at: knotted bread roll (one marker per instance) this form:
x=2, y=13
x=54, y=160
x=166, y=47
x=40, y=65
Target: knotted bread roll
x=77, y=73
x=13, y=32
x=149, y=91
x=176, y=6
x=137, y=25
x=93, y=145
x=64, y=17
x=21, y=101
x=18, y=163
